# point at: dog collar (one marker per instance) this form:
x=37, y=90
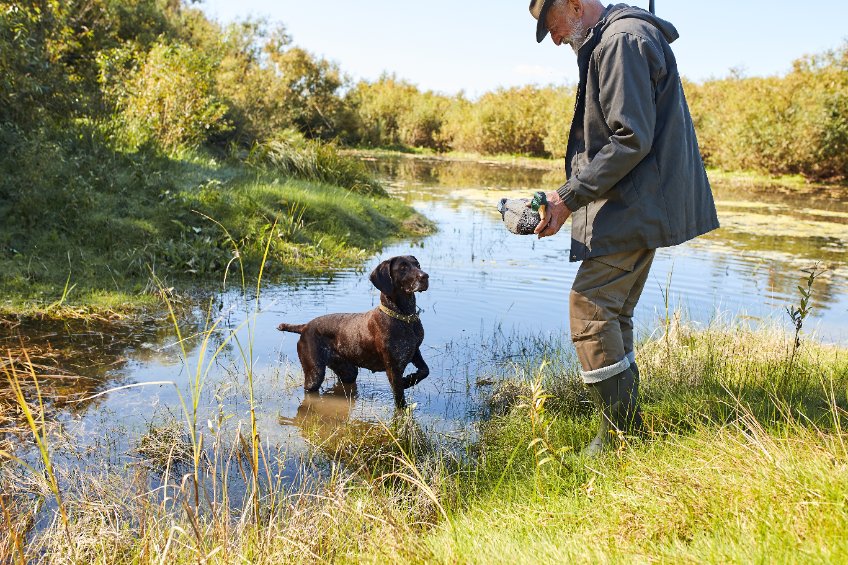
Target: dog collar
x=408, y=318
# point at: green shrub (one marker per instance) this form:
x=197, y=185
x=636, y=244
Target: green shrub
x=170, y=100
x=796, y=124
x=421, y=125
x=391, y=112
x=528, y=120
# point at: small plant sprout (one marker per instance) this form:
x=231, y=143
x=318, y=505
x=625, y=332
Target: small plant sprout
x=799, y=313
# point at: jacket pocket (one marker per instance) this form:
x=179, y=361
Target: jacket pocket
x=646, y=175
x=627, y=193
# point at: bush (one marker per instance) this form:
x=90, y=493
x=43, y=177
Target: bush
x=394, y=112
x=171, y=100
x=527, y=120
x=797, y=124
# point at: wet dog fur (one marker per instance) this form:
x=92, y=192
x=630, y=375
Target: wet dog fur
x=371, y=340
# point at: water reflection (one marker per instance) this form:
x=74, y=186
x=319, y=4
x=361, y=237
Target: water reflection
x=320, y=415
x=768, y=235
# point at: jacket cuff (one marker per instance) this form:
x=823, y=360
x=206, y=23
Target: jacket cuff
x=569, y=198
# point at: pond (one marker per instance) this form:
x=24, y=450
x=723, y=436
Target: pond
x=492, y=294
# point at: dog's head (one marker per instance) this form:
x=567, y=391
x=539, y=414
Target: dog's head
x=400, y=275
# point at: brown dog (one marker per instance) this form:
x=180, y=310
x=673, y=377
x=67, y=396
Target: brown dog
x=386, y=338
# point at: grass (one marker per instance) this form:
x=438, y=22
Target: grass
x=745, y=460
x=95, y=227
x=741, y=494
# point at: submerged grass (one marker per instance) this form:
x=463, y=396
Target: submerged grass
x=745, y=459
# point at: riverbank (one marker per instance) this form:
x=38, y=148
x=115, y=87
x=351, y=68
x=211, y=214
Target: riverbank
x=187, y=224
x=728, y=180
x=744, y=459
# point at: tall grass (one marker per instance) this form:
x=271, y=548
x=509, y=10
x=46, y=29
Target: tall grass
x=292, y=155
x=119, y=233
x=35, y=422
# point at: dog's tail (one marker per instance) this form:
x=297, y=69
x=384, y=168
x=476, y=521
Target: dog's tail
x=293, y=328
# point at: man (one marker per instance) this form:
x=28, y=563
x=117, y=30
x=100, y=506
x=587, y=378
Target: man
x=635, y=182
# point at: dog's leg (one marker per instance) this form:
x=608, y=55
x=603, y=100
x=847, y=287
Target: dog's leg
x=395, y=375
x=419, y=375
x=313, y=363
x=346, y=371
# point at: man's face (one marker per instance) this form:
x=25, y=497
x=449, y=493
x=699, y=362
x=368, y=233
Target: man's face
x=565, y=24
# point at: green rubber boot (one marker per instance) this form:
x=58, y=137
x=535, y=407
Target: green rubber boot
x=637, y=425
x=617, y=399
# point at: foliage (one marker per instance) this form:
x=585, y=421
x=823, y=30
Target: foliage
x=737, y=463
x=797, y=123
x=515, y=120
x=528, y=120
x=125, y=215
x=794, y=124
x=125, y=125
x=169, y=100
x=392, y=112
x=308, y=92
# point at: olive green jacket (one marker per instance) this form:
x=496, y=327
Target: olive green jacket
x=635, y=175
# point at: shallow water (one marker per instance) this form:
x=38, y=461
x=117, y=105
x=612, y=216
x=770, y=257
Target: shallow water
x=491, y=294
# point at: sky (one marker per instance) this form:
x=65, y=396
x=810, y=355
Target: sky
x=477, y=46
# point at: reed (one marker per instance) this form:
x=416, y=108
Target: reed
x=292, y=155
x=37, y=428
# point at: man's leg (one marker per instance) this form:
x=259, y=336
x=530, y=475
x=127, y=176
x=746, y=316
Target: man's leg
x=604, y=289
x=625, y=320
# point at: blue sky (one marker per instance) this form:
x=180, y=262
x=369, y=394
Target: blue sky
x=477, y=45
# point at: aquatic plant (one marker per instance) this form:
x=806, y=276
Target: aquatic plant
x=37, y=428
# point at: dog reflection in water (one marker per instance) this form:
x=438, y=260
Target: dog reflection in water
x=325, y=420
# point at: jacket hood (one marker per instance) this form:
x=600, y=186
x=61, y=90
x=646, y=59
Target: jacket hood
x=621, y=11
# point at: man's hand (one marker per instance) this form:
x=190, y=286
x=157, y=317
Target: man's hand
x=557, y=214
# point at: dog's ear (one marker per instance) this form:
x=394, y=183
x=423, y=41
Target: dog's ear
x=381, y=277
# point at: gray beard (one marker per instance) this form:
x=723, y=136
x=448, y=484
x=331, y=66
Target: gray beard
x=578, y=35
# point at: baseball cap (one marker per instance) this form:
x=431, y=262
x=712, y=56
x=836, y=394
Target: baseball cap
x=539, y=10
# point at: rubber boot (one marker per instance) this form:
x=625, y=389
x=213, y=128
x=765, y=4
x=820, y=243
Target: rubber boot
x=637, y=425
x=617, y=400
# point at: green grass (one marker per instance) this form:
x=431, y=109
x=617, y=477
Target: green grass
x=746, y=461
x=741, y=494
x=94, y=228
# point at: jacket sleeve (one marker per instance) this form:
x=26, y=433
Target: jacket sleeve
x=626, y=91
